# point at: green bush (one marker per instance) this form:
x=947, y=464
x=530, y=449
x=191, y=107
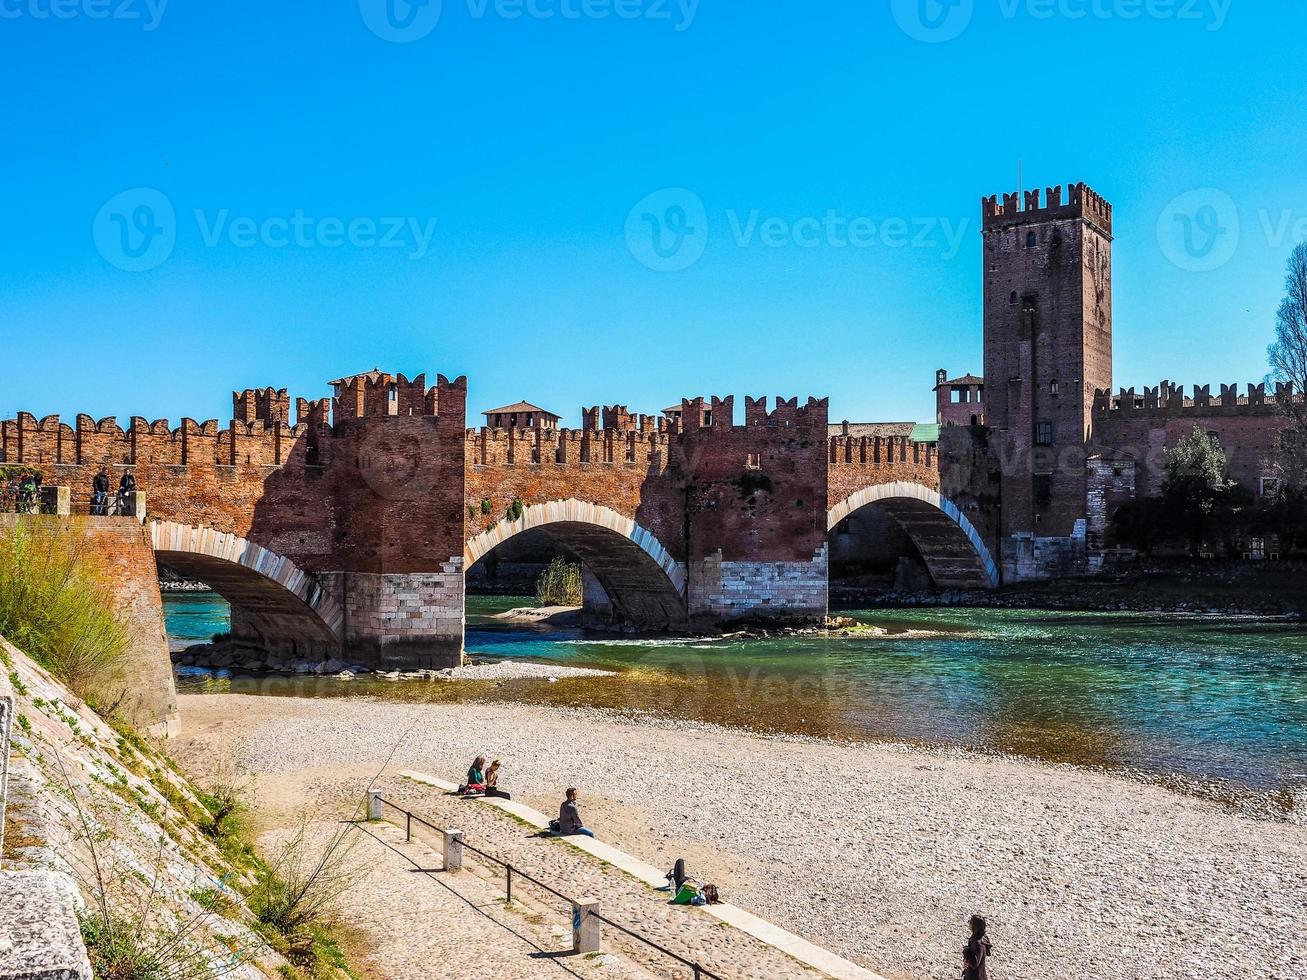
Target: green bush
x=125, y=949
x=559, y=584
x=56, y=608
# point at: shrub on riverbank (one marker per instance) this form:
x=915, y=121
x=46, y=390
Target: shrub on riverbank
x=55, y=606
x=559, y=584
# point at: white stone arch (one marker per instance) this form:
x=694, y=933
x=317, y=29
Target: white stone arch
x=573, y=511
x=903, y=490
x=171, y=537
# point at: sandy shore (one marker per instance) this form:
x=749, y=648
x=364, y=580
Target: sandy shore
x=878, y=852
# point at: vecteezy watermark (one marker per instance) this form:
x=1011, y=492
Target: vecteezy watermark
x=301, y=230
x=936, y=21
x=136, y=231
x=1199, y=230
x=148, y=13
x=405, y=21
x=401, y=21
x=933, y=21
x=668, y=231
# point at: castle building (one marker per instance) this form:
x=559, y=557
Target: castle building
x=959, y=401
x=521, y=415
x=1065, y=452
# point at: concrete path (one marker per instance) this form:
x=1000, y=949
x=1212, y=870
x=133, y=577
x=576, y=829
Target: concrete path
x=511, y=834
x=419, y=925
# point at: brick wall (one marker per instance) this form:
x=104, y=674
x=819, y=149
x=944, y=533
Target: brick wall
x=121, y=549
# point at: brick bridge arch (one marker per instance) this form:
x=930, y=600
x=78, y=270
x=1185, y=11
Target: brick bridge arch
x=269, y=595
x=644, y=583
x=951, y=547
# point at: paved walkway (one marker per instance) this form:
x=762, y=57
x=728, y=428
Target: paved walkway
x=690, y=932
x=420, y=925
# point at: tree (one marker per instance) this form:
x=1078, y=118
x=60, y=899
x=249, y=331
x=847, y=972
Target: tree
x=1288, y=359
x=1195, y=486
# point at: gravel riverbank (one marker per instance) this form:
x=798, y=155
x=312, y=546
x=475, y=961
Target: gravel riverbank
x=879, y=852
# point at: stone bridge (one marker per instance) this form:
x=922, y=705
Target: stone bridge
x=350, y=531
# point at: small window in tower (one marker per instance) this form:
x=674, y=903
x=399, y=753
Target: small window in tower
x=1013, y=298
x=1044, y=434
x=955, y=396
x=394, y=393
x=1031, y=239
x=1052, y=387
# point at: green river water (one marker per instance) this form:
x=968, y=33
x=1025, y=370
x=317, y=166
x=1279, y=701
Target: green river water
x=1214, y=702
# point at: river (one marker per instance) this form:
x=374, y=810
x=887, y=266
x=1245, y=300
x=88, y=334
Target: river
x=1220, y=703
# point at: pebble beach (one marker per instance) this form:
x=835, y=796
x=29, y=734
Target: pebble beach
x=879, y=852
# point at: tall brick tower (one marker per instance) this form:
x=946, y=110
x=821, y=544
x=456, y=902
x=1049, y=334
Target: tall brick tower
x=1048, y=346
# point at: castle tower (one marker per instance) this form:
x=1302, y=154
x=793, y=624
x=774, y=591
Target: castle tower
x=1048, y=346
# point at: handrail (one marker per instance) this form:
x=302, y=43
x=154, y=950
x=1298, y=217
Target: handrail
x=700, y=973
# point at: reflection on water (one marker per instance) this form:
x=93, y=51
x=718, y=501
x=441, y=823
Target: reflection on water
x=1222, y=699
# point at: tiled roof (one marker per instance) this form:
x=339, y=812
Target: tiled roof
x=966, y=379
x=520, y=407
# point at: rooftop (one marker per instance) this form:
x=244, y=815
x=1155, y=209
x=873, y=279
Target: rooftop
x=870, y=430
x=966, y=379
x=519, y=407
x=374, y=375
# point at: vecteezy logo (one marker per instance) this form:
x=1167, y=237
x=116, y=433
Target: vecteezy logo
x=136, y=230
x=1199, y=230
x=668, y=230
x=932, y=21
x=400, y=21
x=396, y=460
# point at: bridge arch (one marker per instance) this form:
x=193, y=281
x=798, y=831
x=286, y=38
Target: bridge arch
x=269, y=595
x=644, y=583
x=951, y=547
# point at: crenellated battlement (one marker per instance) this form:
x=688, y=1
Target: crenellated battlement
x=103, y=442
x=718, y=414
x=381, y=395
x=565, y=447
x=261, y=404
x=620, y=419
x=882, y=451
x=1027, y=207
x=1168, y=398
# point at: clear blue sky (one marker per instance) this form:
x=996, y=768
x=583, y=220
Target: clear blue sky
x=530, y=139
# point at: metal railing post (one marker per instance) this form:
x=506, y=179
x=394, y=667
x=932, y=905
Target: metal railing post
x=509, y=889
x=408, y=826
x=374, y=804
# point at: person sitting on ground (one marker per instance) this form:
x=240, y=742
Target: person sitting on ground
x=978, y=949
x=569, y=817
x=492, y=782
x=476, y=777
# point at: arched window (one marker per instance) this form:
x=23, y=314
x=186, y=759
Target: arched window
x=1031, y=239
x=1013, y=298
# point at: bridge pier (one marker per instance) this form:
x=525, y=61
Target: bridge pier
x=402, y=620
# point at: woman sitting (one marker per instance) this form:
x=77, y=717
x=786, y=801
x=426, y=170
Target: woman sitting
x=476, y=777
x=492, y=782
